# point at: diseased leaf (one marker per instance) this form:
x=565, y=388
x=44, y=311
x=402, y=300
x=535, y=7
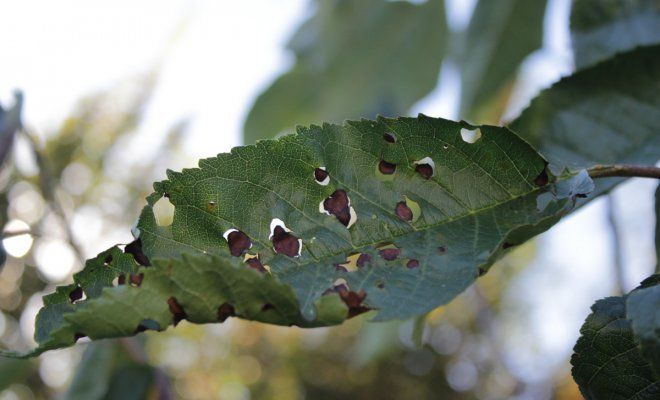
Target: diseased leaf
x=354, y=58
x=501, y=34
x=604, y=114
x=260, y=234
x=602, y=28
x=607, y=362
x=643, y=309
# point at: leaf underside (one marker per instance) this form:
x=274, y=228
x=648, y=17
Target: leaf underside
x=433, y=213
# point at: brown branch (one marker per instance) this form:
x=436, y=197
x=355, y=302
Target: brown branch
x=624, y=170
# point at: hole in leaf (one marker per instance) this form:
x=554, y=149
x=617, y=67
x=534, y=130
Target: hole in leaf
x=210, y=206
x=120, y=280
x=163, y=211
x=76, y=294
x=135, y=249
x=350, y=265
x=386, y=168
x=225, y=311
x=445, y=146
x=147, y=325
x=470, y=135
x=339, y=205
x=412, y=263
x=78, y=335
x=321, y=176
x=238, y=242
x=108, y=259
x=389, y=254
x=283, y=241
x=389, y=137
x=425, y=167
x=177, y=311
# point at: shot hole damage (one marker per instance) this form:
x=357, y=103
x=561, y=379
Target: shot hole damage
x=386, y=168
x=76, y=294
x=254, y=262
x=353, y=300
x=425, y=167
x=389, y=137
x=283, y=241
x=470, y=135
x=225, y=311
x=135, y=249
x=339, y=205
x=321, y=176
x=389, y=254
x=147, y=325
x=403, y=211
x=178, y=314
x=412, y=264
x=363, y=259
x=542, y=179
x=238, y=242
x=163, y=211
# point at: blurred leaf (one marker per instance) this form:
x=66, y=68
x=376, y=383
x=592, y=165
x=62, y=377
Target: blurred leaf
x=12, y=371
x=105, y=372
x=607, y=363
x=657, y=229
x=501, y=34
x=10, y=123
x=643, y=309
x=354, y=58
x=424, y=232
x=604, y=114
x=602, y=28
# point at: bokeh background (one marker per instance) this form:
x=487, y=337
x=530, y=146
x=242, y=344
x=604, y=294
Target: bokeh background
x=118, y=91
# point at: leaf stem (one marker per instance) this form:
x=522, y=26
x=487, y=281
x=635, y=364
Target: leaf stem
x=624, y=170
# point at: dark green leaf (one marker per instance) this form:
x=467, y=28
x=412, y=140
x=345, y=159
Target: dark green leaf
x=604, y=114
x=92, y=378
x=643, y=309
x=500, y=35
x=354, y=58
x=607, y=363
x=602, y=28
x=422, y=235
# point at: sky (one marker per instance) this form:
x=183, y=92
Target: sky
x=214, y=57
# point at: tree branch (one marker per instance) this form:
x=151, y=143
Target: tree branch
x=624, y=170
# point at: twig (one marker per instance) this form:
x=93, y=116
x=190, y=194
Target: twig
x=624, y=170
x=6, y=235
x=619, y=284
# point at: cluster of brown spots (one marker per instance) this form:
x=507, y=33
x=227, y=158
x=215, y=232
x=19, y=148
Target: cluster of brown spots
x=386, y=168
x=76, y=294
x=339, y=206
x=403, y=211
x=389, y=254
x=389, y=137
x=135, y=249
x=255, y=263
x=285, y=243
x=225, y=311
x=177, y=311
x=238, y=242
x=412, y=263
x=353, y=300
x=363, y=259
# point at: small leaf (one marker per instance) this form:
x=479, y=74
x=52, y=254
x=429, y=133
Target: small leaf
x=607, y=362
x=600, y=29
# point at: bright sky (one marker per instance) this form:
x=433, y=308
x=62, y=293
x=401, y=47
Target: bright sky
x=217, y=55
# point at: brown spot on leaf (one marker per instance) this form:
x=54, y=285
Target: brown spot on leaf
x=386, y=168
x=425, y=170
x=340, y=267
x=403, y=211
x=389, y=254
x=176, y=310
x=320, y=174
x=482, y=271
x=255, y=263
x=136, y=279
x=210, y=206
x=108, y=259
x=238, y=242
x=76, y=294
x=412, y=263
x=78, y=335
x=354, y=301
x=135, y=249
x=506, y=245
x=267, y=307
x=363, y=259
x=121, y=280
x=442, y=249
x=337, y=204
x=225, y=311
x=380, y=285
x=542, y=179
x=285, y=243
x=389, y=137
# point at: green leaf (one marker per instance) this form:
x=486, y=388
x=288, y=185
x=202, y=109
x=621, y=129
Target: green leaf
x=10, y=123
x=643, y=309
x=354, y=58
x=501, y=34
x=602, y=28
x=604, y=114
x=607, y=362
x=432, y=213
